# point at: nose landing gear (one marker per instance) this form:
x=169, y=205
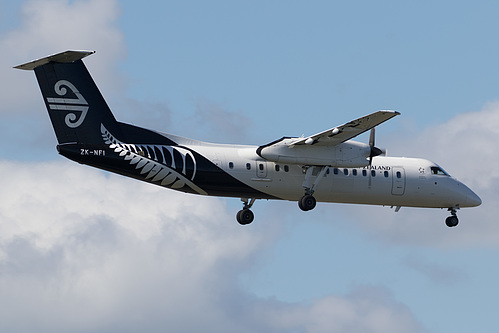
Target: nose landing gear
x=452, y=220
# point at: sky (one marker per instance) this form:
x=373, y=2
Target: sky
x=83, y=250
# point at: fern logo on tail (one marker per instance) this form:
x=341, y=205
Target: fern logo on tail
x=72, y=105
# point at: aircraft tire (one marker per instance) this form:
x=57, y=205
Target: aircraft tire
x=452, y=221
x=307, y=202
x=245, y=216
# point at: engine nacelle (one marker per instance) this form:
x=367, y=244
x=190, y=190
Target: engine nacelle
x=350, y=154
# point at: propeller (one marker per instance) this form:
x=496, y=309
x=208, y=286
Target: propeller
x=375, y=151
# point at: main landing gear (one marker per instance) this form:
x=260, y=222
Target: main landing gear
x=245, y=216
x=308, y=202
x=452, y=220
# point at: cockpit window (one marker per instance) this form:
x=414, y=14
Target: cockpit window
x=438, y=171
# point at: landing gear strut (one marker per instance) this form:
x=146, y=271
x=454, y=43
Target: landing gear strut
x=308, y=202
x=452, y=220
x=245, y=216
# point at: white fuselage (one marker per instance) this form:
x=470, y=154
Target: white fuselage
x=392, y=181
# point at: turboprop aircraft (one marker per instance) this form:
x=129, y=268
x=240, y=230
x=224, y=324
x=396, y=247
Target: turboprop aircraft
x=325, y=167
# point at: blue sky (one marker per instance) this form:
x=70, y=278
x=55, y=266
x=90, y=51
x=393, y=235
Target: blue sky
x=82, y=250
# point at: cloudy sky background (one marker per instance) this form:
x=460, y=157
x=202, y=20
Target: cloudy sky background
x=83, y=251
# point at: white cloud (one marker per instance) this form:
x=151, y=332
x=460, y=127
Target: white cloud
x=436, y=273
x=51, y=26
x=47, y=27
x=466, y=147
x=366, y=309
x=81, y=250
x=220, y=124
x=156, y=116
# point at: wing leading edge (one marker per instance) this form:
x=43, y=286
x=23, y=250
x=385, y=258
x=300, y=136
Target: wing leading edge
x=340, y=134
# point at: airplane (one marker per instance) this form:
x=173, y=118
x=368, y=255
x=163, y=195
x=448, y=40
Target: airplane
x=325, y=167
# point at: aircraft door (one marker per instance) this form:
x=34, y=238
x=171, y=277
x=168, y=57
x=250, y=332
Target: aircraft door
x=261, y=169
x=219, y=161
x=398, y=181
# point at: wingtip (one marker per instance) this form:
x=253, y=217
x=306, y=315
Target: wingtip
x=395, y=113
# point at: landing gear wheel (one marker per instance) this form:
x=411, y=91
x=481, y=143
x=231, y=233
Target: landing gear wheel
x=307, y=202
x=451, y=221
x=245, y=216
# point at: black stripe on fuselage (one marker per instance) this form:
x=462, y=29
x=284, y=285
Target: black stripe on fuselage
x=217, y=182
x=163, y=153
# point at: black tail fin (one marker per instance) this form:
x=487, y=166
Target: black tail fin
x=74, y=103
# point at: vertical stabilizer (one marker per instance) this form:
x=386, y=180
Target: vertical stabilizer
x=74, y=103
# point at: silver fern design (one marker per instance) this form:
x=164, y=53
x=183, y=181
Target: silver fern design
x=168, y=166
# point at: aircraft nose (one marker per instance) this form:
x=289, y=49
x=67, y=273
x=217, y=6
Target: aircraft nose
x=471, y=199
x=474, y=199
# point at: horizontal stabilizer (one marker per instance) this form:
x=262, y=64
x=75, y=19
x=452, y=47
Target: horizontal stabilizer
x=63, y=57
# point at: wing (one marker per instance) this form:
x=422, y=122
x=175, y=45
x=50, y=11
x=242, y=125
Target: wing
x=339, y=134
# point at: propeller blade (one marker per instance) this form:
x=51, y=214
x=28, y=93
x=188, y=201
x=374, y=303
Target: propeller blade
x=372, y=153
x=372, y=137
x=375, y=151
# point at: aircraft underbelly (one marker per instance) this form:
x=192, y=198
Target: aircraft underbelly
x=378, y=190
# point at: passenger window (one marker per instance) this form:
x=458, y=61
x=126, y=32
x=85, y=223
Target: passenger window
x=260, y=166
x=364, y=173
x=345, y=172
x=373, y=173
x=399, y=174
x=386, y=174
x=335, y=171
x=354, y=172
x=286, y=168
x=277, y=167
x=231, y=165
x=248, y=166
